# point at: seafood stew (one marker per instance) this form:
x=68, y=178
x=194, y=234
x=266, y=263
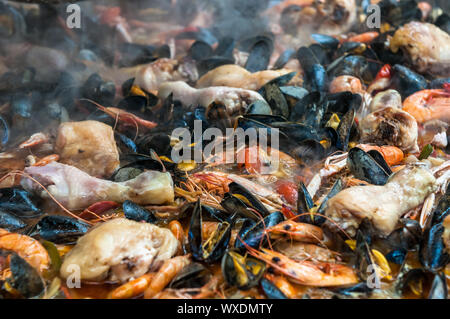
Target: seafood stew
x=194, y=149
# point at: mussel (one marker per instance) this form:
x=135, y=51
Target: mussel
x=60, y=229
x=211, y=249
x=364, y=167
x=243, y=272
x=137, y=213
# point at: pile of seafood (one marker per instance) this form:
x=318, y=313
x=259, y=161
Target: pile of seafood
x=93, y=205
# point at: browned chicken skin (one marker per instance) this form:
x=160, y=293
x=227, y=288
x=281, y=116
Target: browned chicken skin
x=427, y=46
x=85, y=145
x=390, y=126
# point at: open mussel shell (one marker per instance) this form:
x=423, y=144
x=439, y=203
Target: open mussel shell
x=24, y=278
x=304, y=204
x=439, y=289
x=19, y=202
x=344, y=130
x=422, y=283
x=60, y=229
x=310, y=109
x=407, y=236
x=259, y=107
x=364, y=167
x=432, y=252
x=242, y=192
x=253, y=233
x=336, y=188
x=308, y=151
x=355, y=291
x=234, y=204
x=271, y=291
x=137, y=213
x=442, y=209
x=11, y=222
x=208, y=249
x=194, y=275
x=276, y=100
x=243, y=272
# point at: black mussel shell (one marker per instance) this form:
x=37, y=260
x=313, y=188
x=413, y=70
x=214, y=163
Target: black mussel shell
x=234, y=204
x=10, y=222
x=442, y=209
x=439, y=288
x=253, y=233
x=4, y=131
x=200, y=50
x=271, y=291
x=364, y=167
x=406, y=81
x=358, y=290
x=24, y=278
x=259, y=56
x=137, y=213
x=19, y=202
x=225, y=47
x=255, y=203
x=259, y=107
x=344, y=130
x=276, y=100
x=211, y=249
x=61, y=229
x=432, y=252
x=329, y=42
x=407, y=237
x=308, y=151
x=242, y=272
x=194, y=275
x=336, y=188
x=284, y=58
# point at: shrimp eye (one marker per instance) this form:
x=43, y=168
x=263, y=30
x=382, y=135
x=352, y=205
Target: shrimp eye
x=276, y=259
x=287, y=227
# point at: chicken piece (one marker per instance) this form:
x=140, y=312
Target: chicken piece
x=426, y=45
x=388, y=98
x=446, y=235
x=235, y=76
x=330, y=17
x=76, y=189
x=236, y=100
x=150, y=77
x=89, y=146
x=390, y=126
x=120, y=249
x=383, y=205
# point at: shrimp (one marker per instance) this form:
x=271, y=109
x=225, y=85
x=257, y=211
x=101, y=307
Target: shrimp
x=429, y=105
x=165, y=274
x=283, y=285
x=365, y=37
x=132, y=288
x=317, y=274
x=26, y=247
x=177, y=230
x=392, y=154
x=34, y=140
x=46, y=160
x=297, y=231
x=346, y=83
